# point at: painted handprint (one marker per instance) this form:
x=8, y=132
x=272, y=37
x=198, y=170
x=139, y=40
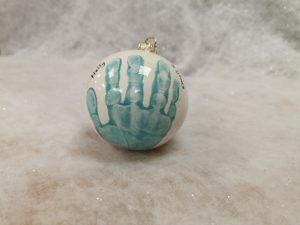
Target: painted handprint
x=131, y=124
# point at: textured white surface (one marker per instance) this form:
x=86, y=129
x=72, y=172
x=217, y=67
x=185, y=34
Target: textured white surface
x=235, y=161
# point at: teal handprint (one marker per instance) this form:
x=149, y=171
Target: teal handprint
x=131, y=124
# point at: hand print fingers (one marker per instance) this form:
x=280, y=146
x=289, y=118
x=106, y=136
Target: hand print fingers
x=113, y=92
x=135, y=92
x=131, y=113
x=159, y=122
x=112, y=79
x=160, y=87
x=109, y=132
x=172, y=109
x=92, y=106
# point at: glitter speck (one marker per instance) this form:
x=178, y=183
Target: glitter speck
x=99, y=199
x=3, y=108
x=228, y=196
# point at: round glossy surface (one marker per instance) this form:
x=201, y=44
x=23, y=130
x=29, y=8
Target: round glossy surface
x=136, y=99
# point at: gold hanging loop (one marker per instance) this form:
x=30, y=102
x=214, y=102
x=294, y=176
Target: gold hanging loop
x=149, y=45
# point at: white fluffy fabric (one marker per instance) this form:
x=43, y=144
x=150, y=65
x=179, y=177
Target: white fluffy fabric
x=236, y=160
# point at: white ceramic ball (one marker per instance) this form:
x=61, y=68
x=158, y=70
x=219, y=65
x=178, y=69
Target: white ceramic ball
x=136, y=99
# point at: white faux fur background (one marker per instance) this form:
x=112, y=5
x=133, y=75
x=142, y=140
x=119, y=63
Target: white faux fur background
x=235, y=161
